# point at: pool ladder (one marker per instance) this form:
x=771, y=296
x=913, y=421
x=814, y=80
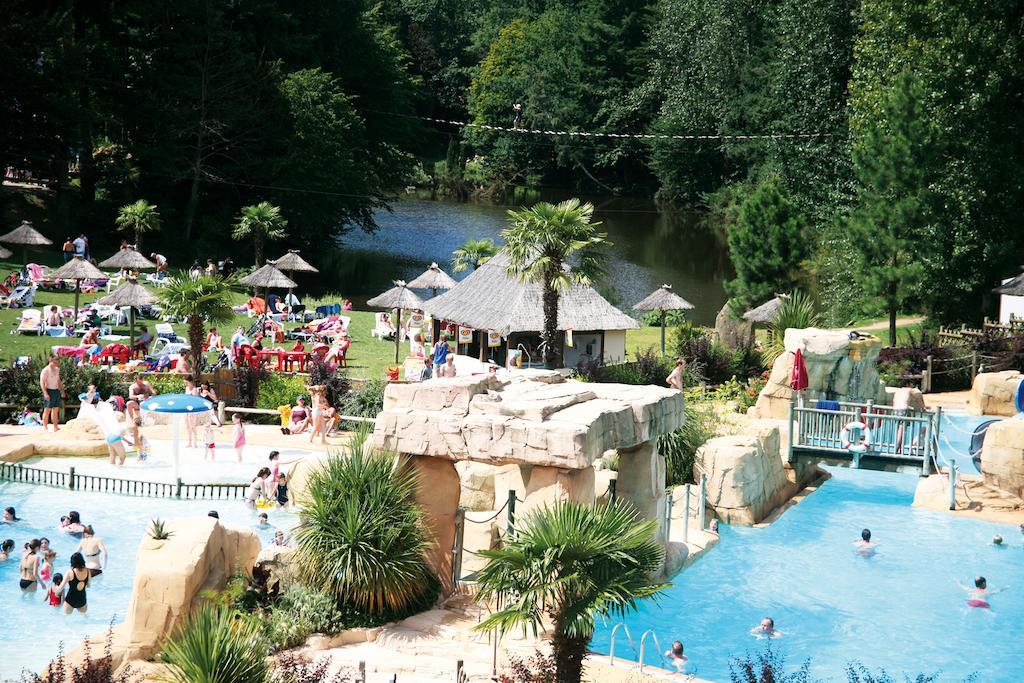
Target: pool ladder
x=632, y=644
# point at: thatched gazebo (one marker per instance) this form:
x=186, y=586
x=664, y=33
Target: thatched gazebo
x=78, y=269
x=293, y=263
x=491, y=300
x=398, y=297
x=128, y=259
x=663, y=299
x=767, y=312
x=433, y=278
x=5, y=253
x=26, y=236
x=268, y=277
x=130, y=294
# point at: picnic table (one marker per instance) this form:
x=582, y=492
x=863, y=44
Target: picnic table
x=285, y=359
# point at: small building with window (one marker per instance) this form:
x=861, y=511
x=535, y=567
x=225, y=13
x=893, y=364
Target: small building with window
x=506, y=316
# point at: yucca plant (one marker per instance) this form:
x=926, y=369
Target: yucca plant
x=568, y=564
x=361, y=534
x=158, y=530
x=798, y=312
x=213, y=646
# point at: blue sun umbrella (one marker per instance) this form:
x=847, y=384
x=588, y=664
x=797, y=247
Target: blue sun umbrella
x=176, y=405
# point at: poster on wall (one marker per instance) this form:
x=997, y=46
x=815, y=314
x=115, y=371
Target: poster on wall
x=568, y=338
x=493, y=339
x=465, y=335
x=416, y=321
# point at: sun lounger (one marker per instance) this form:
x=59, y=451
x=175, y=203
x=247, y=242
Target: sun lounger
x=31, y=322
x=382, y=329
x=23, y=296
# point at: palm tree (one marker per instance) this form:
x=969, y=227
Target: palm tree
x=138, y=217
x=199, y=300
x=471, y=254
x=556, y=246
x=569, y=564
x=361, y=534
x=259, y=222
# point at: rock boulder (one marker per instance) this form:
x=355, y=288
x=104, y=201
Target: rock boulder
x=732, y=330
x=993, y=393
x=1002, y=456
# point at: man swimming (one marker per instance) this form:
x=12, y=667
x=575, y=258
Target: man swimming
x=766, y=629
x=978, y=596
x=864, y=547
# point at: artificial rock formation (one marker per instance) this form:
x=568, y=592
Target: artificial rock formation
x=732, y=330
x=838, y=368
x=538, y=434
x=1002, y=456
x=994, y=393
x=200, y=554
x=747, y=474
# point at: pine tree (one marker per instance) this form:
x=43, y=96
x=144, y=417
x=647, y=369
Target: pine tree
x=891, y=162
x=767, y=244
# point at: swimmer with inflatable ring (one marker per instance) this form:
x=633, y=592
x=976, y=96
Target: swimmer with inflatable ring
x=864, y=547
x=977, y=597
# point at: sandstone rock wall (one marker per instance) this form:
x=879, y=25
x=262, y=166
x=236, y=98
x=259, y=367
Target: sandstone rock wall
x=1002, y=456
x=993, y=393
x=838, y=368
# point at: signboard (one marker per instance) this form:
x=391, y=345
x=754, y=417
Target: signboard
x=493, y=339
x=416, y=321
x=568, y=338
x=465, y=335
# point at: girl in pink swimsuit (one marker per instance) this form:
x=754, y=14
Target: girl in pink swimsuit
x=239, y=434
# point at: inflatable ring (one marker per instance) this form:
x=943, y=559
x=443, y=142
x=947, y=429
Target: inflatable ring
x=861, y=443
x=265, y=504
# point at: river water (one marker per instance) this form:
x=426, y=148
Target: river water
x=650, y=247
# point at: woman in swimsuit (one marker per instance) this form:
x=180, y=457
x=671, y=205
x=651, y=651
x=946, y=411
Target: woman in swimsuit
x=257, y=489
x=10, y=517
x=6, y=549
x=300, y=417
x=91, y=547
x=28, y=570
x=76, y=582
x=73, y=525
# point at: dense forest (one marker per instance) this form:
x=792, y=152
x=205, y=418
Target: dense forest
x=887, y=132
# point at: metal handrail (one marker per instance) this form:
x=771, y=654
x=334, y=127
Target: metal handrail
x=643, y=639
x=611, y=647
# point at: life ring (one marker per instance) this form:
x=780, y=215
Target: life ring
x=862, y=443
x=265, y=504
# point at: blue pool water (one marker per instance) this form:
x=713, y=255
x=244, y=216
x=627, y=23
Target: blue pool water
x=901, y=610
x=33, y=630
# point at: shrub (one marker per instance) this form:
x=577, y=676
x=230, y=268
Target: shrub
x=247, y=382
x=366, y=401
x=213, y=646
x=329, y=376
x=768, y=666
x=280, y=390
x=796, y=312
x=291, y=669
x=87, y=669
x=680, y=446
x=361, y=535
x=744, y=393
x=715, y=361
x=299, y=613
x=672, y=318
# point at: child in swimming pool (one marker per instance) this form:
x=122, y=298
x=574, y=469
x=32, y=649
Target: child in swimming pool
x=238, y=432
x=978, y=596
x=47, y=565
x=55, y=594
x=281, y=494
x=209, y=441
x=279, y=539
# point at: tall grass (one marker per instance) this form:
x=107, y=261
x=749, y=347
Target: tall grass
x=214, y=646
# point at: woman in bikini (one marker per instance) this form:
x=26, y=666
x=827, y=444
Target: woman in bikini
x=28, y=570
x=91, y=547
x=76, y=582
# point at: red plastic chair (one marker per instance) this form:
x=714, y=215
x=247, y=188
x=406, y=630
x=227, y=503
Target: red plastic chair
x=114, y=354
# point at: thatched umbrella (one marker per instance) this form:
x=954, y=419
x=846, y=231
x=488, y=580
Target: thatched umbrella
x=397, y=297
x=268, y=277
x=433, y=278
x=128, y=259
x=130, y=294
x=5, y=253
x=26, y=236
x=663, y=299
x=1014, y=287
x=292, y=263
x=767, y=312
x=78, y=269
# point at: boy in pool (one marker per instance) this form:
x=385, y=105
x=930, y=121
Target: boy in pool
x=263, y=521
x=766, y=629
x=978, y=596
x=864, y=547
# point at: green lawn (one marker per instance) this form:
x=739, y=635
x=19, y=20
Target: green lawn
x=367, y=356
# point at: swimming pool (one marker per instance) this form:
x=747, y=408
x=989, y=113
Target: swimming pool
x=900, y=610
x=33, y=630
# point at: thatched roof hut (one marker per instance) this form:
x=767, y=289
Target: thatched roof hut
x=5, y=253
x=128, y=259
x=663, y=299
x=766, y=312
x=398, y=297
x=1013, y=286
x=491, y=299
x=25, y=235
x=292, y=262
x=433, y=278
x=268, y=277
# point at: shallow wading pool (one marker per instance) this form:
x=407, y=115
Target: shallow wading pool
x=33, y=630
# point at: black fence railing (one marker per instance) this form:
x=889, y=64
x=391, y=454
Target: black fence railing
x=75, y=481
